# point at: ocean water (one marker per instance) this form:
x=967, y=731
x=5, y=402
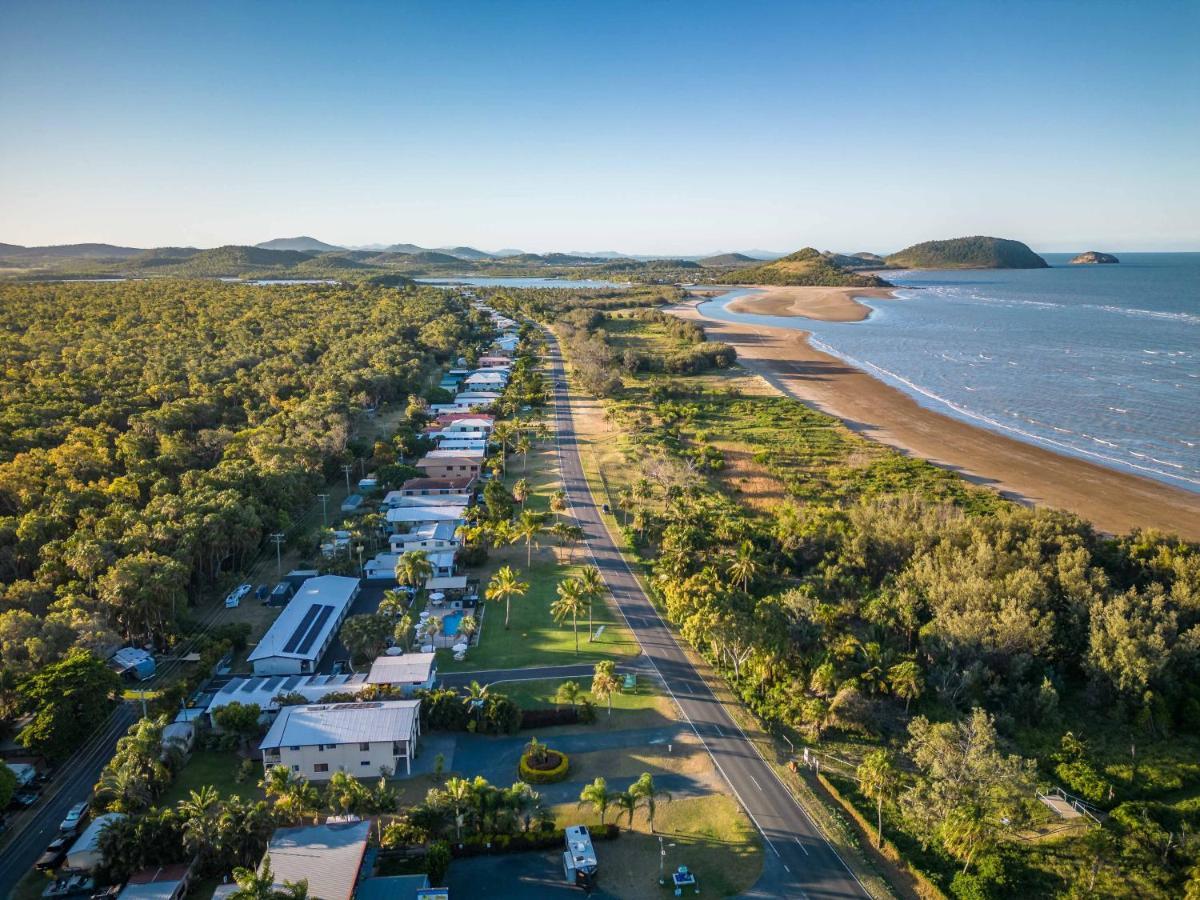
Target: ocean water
x=1100, y=362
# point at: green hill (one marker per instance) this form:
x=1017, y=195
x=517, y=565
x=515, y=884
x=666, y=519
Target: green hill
x=729, y=259
x=805, y=267
x=967, y=253
x=304, y=243
x=225, y=261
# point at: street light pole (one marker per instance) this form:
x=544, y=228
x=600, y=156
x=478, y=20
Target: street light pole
x=348, y=468
x=362, y=573
x=277, y=537
x=662, y=859
x=324, y=498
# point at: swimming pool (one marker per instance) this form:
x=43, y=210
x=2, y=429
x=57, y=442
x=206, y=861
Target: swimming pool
x=450, y=623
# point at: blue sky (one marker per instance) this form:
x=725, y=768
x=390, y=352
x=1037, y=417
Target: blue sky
x=641, y=127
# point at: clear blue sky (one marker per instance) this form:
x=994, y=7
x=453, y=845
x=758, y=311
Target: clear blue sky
x=642, y=127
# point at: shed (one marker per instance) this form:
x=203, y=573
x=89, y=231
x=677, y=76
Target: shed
x=132, y=663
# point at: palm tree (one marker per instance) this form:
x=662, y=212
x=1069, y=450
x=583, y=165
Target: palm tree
x=413, y=568
x=461, y=794
x=558, y=503
x=744, y=566
x=527, y=528
x=254, y=885
x=475, y=698
x=345, y=795
x=879, y=780
x=433, y=627
x=627, y=803
x=648, y=796
x=604, y=682
x=400, y=631
x=505, y=585
x=568, y=692
x=393, y=603
x=520, y=491
x=907, y=681
x=592, y=584
x=199, y=820
x=965, y=832
x=599, y=796
x=571, y=603
x=523, y=446
x=467, y=626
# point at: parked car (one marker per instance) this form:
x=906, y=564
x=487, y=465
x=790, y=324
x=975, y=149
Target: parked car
x=54, y=855
x=234, y=599
x=74, y=818
x=26, y=797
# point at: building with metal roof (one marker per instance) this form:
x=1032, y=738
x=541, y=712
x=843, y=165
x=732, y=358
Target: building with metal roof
x=362, y=739
x=409, y=671
x=262, y=690
x=296, y=641
x=329, y=857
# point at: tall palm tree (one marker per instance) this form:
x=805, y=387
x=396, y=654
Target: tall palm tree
x=393, y=603
x=523, y=446
x=558, y=503
x=520, y=491
x=505, y=585
x=744, y=566
x=599, y=796
x=907, y=681
x=568, y=692
x=413, y=568
x=198, y=812
x=475, y=698
x=400, y=632
x=461, y=794
x=626, y=802
x=570, y=603
x=604, y=682
x=879, y=780
x=592, y=584
x=528, y=528
x=648, y=796
x=254, y=884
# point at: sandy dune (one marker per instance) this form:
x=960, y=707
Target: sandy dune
x=828, y=304
x=1114, y=501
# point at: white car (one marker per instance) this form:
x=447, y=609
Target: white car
x=235, y=596
x=74, y=817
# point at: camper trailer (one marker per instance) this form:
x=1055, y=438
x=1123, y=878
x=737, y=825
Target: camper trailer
x=579, y=860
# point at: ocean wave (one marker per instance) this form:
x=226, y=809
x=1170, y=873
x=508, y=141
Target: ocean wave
x=1132, y=311
x=1002, y=426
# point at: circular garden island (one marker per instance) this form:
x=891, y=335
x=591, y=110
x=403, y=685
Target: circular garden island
x=541, y=765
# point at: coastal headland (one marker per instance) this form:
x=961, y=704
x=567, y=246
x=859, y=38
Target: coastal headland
x=1112, y=500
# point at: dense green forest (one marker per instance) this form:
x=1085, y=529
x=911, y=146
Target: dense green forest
x=152, y=434
x=950, y=652
x=967, y=253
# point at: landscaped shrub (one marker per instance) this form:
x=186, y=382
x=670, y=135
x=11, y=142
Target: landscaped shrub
x=546, y=717
x=541, y=765
x=479, y=845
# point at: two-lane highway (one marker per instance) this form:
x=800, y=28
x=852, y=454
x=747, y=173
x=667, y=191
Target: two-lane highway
x=799, y=861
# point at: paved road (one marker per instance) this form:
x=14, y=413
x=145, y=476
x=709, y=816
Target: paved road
x=799, y=861
x=73, y=785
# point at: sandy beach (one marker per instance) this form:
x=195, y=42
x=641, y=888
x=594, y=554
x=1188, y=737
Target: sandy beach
x=1114, y=501
x=828, y=304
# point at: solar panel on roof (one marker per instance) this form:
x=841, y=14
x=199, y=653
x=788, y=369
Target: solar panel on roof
x=311, y=637
x=302, y=628
x=291, y=682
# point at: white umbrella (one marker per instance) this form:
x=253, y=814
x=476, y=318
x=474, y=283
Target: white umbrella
x=460, y=647
x=394, y=651
x=437, y=595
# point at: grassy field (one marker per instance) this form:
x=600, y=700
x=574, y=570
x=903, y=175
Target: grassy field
x=211, y=768
x=533, y=638
x=710, y=835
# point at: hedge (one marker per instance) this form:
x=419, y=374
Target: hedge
x=479, y=845
x=548, y=716
x=922, y=885
x=531, y=775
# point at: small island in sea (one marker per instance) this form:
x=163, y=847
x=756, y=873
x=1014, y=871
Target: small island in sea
x=976, y=252
x=1094, y=258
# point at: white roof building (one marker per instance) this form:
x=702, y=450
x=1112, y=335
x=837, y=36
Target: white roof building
x=383, y=566
x=422, y=515
x=263, y=689
x=297, y=640
x=327, y=856
x=360, y=738
x=475, y=454
x=410, y=671
x=399, y=499
x=84, y=854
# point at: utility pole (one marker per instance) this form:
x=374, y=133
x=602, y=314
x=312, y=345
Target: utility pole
x=324, y=498
x=278, y=538
x=348, y=468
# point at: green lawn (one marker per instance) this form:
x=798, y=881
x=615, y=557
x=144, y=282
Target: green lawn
x=540, y=693
x=711, y=836
x=533, y=638
x=211, y=768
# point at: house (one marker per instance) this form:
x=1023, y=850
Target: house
x=399, y=499
x=485, y=381
x=466, y=421
x=397, y=887
x=329, y=857
x=84, y=854
x=457, y=443
x=405, y=518
x=408, y=672
x=450, y=466
x=363, y=739
x=495, y=359
x=160, y=883
x=369, y=483
x=426, y=487
x=181, y=735
x=263, y=691
x=507, y=343
x=383, y=566
x=132, y=663
x=297, y=640
x=460, y=435
x=432, y=538
x=353, y=504
x=340, y=541
x=478, y=398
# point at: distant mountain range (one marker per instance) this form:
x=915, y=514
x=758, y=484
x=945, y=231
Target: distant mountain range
x=304, y=243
